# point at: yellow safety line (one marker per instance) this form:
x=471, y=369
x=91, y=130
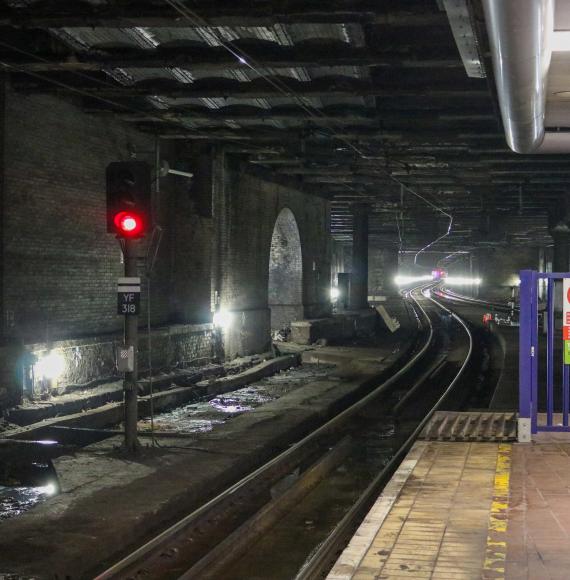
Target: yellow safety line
x=496, y=550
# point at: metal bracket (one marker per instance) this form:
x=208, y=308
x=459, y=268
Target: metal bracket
x=524, y=431
x=125, y=359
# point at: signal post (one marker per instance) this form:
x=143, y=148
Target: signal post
x=130, y=308
x=129, y=217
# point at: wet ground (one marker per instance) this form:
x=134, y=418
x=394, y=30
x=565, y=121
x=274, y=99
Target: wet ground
x=17, y=500
x=203, y=416
x=198, y=417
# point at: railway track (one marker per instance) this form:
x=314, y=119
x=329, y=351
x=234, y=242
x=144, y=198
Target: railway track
x=502, y=345
x=448, y=294
x=258, y=527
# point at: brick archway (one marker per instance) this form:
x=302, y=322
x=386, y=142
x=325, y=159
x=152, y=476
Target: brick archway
x=285, y=292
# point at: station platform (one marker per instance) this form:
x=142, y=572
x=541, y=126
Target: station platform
x=469, y=510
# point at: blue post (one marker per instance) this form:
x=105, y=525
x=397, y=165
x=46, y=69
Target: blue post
x=534, y=350
x=550, y=353
x=526, y=355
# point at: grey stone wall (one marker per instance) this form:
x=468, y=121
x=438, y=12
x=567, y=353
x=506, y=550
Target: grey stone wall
x=93, y=358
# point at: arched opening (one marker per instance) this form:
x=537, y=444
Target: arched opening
x=285, y=272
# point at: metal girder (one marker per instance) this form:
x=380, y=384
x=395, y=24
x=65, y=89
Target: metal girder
x=258, y=89
x=77, y=14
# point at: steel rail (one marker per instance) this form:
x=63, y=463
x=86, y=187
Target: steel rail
x=159, y=542
x=450, y=295
x=321, y=559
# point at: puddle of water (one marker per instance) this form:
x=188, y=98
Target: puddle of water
x=231, y=406
x=17, y=500
x=203, y=416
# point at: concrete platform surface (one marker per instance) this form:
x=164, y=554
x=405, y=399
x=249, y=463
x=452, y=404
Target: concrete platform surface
x=459, y=510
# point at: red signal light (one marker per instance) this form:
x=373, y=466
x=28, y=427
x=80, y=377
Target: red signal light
x=129, y=224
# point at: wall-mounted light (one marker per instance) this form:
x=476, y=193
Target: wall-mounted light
x=223, y=319
x=335, y=293
x=50, y=367
x=49, y=489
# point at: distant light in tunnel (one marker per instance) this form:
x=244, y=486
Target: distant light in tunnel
x=50, y=367
x=403, y=280
x=335, y=293
x=223, y=319
x=460, y=281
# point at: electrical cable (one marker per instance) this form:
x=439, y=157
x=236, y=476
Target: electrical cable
x=433, y=243
x=151, y=256
x=149, y=353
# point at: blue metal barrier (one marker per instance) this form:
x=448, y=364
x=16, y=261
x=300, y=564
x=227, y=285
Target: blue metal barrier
x=529, y=358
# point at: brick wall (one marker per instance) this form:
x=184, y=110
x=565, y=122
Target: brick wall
x=248, y=207
x=383, y=266
x=60, y=265
x=191, y=232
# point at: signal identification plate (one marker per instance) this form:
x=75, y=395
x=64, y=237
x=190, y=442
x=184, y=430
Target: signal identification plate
x=129, y=296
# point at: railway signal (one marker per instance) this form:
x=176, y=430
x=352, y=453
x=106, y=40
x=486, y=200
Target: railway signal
x=129, y=214
x=129, y=217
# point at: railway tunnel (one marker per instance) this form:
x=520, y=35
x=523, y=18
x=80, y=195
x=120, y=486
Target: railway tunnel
x=285, y=289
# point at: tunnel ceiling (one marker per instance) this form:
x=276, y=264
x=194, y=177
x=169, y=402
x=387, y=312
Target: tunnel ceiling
x=352, y=100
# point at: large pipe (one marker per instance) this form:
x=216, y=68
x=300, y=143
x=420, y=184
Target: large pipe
x=520, y=34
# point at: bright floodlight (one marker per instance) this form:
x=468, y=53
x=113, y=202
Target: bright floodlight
x=223, y=319
x=50, y=367
x=49, y=489
x=403, y=280
x=462, y=281
x=335, y=293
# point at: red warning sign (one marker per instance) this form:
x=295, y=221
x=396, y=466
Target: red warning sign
x=566, y=309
